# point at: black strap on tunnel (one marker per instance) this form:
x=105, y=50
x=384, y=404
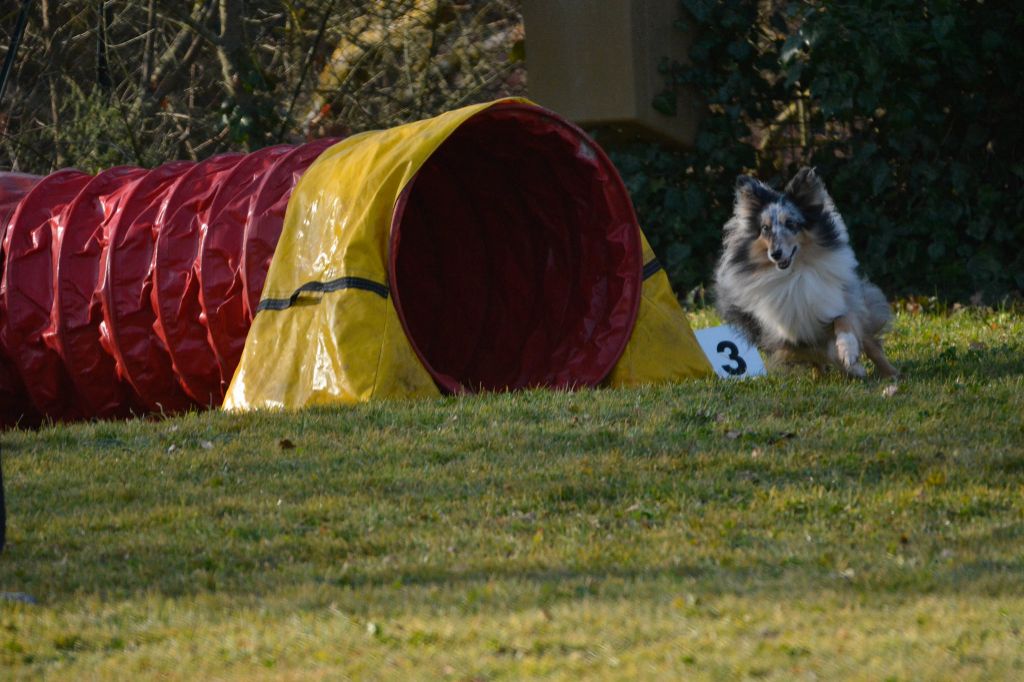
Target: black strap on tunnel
x=324, y=288
x=651, y=267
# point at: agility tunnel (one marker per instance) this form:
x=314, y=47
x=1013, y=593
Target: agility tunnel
x=491, y=248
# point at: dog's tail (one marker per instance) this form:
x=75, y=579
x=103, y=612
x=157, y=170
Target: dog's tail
x=878, y=319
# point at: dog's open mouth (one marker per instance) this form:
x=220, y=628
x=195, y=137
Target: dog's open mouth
x=784, y=263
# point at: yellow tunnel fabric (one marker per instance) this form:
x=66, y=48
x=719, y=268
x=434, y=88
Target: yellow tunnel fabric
x=663, y=347
x=328, y=332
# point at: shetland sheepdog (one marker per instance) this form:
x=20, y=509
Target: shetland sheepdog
x=787, y=279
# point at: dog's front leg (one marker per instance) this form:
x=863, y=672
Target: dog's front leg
x=848, y=347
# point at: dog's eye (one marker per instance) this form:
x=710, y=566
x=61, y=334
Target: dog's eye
x=765, y=229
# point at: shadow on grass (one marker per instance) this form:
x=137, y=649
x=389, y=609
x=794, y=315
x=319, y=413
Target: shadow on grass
x=984, y=576
x=251, y=571
x=982, y=363
x=261, y=555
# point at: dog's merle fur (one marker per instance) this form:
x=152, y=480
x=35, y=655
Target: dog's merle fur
x=788, y=279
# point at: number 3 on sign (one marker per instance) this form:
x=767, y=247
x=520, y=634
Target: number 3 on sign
x=729, y=353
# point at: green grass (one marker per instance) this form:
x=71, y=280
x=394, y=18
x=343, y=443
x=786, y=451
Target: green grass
x=780, y=528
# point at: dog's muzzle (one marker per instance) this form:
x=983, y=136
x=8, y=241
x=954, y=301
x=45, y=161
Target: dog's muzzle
x=780, y=262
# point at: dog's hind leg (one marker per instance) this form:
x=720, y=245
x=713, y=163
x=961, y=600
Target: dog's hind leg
x=848, y=347
x=873, y=349
x=791, y=355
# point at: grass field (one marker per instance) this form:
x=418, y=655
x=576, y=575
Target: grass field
x=780, y=528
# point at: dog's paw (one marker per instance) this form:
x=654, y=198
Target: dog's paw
x=848, y=350
x=857, y=370
x=887, y=372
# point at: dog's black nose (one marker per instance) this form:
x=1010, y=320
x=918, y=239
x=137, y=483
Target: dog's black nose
x=776, y=254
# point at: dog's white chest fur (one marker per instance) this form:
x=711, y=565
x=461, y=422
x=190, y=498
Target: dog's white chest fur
x=799, y=304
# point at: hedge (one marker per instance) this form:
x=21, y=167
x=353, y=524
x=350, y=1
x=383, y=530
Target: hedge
x=910, y=111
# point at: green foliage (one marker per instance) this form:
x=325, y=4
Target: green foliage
x=669, y=209
x=97, y=134
x=684, y=197
x=910, y=111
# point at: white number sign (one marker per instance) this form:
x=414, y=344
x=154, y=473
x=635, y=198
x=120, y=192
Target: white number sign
x=729, y=353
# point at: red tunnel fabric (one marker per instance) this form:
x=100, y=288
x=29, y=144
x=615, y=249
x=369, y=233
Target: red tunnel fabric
x=77, y=308
x=220, y=281
x=14, y=402
x=517, y=266
x=123, y=293
x=27, y=291
x=266, y=217
x=175, y=292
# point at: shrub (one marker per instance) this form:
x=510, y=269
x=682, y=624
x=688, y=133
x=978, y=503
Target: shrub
x=145, y=82
x=909, y=110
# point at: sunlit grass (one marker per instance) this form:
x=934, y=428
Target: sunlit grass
x=773, y=528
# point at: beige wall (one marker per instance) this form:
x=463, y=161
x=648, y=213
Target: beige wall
x=596, y=63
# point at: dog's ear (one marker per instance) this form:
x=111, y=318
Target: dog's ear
x=752, y=195
x=807, y=190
